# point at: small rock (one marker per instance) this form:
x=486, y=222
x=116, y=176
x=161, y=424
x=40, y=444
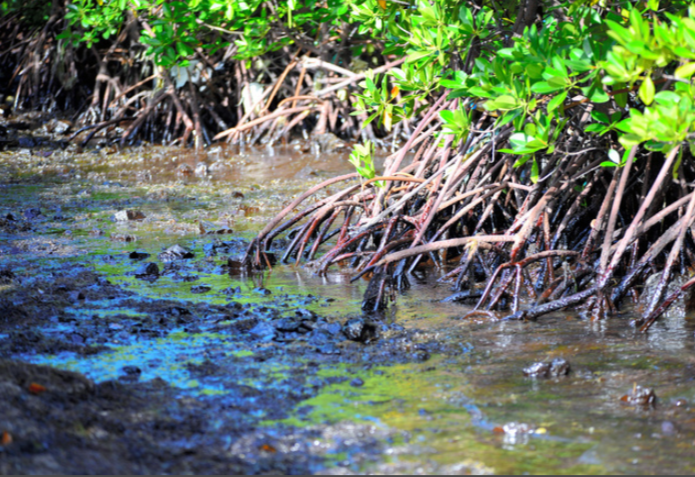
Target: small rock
x=320, y=337
x=232, y=291
x=184, y=170
x=332, y=328
x=329, y=142
x=76, y=338
x=130, y=374
x=200, y=289
x=58, y=126
x=128, y=215
x=177, y=311
x=263, y=331
x=537, y=370
x=138, y=256
x=357, y=383
x=131, y=370
x=287, y=325
x=123, y=238
x=6, y=277
x=177, y=252
x=360, y=330
x=305, y=314
x=202, y=169
x=639, y=396
x=559, y=367
x=31, y=214
x=668, y=428
x=555, y=369
x=262, y=291
x=147, y=270
x=76, y=296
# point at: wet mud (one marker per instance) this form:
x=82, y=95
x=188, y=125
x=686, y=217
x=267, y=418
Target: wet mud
x=131, y=342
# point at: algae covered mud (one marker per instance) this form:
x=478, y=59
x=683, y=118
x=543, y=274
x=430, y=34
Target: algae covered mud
x=131, y=342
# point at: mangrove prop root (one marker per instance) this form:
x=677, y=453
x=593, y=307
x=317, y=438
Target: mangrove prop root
x=574, y=237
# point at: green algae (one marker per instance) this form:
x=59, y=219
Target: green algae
x=419, y=400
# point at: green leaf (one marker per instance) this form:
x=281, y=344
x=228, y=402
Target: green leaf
x=523, y=160
x=544, y=87
x=503, y=103
x=600, y=117
x=686, y=71
x=557, y=101
x=595, y=128
x=646, y=91
x=534, y=171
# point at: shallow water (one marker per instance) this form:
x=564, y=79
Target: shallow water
x=466, y=409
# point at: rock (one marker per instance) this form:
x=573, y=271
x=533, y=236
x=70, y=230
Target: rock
x=200, y=289
x=682, y=306
x=668, y=428
x=357, y=383
x=329, y=142
x=131, y=370
x=420, y=355
x=184, y=170
x=9, y=313
x=123, y=238
x=202, y=169
x=58, y=126
x=641, y=397
x=177, y=312
x=262, y=291
x=177, y=252
x=555, y=369
x=287, y=325
x=320, y=338
x=263, y=332
x=360, y=330
x=138, y=256
x=130, y=373
x=147, y=270
x=128, y=215
x=31, y=214
x=304, y=314
x=537, y=370
x=559, y=367
x=76, y=296
x=6, y=277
